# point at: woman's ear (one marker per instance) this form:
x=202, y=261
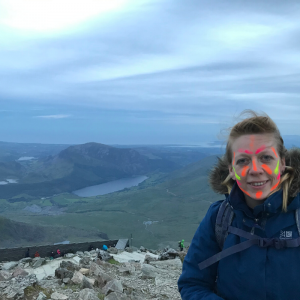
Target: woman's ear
x=231, y=172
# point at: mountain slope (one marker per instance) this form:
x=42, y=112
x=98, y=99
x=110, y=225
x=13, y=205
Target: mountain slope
x=81, y=166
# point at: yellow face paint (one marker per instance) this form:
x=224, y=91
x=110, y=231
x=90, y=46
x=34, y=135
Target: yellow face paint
x=277, y=168
x=236, y=175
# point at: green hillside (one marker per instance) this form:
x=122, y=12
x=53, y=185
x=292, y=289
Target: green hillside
x=177, y=205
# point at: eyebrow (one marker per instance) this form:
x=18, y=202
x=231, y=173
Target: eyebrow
x=260, y=149
x=245, y=151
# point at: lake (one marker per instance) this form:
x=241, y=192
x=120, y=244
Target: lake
x=110, y=187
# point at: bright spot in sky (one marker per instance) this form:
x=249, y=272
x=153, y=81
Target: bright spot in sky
x=52, y=15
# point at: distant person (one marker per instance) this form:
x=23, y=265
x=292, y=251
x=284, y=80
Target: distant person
x=58, y=253
x=90, y=248
x=36, y=254
x=52, y=256
x=104, y=247
x=181, y=245
x=247, y=246
x=27, y=253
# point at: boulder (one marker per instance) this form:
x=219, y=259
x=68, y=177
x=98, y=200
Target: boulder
x=87, y=294
x=62, y=273
x=113, y=286
x=77, y=278
x=102, y=279
x=129, y=249
x=69, y=255
x=84, y=271
x=112, y=250
x=142, y=249
x=26, y=260
x=66, y=280
x=41, y=296
x=116, y=296
x=9, y=265
x=172, y=264
x=149, y=258
x=69, y=266
x=87, y=283
x=149, y=271
x=37, y=262
x=4, y=275
x=85, y=261
x=58, y=296
x=103, y=255
x=19, y=272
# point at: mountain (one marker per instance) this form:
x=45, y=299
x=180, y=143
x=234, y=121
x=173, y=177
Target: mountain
x=77, y=167
x=15, y=234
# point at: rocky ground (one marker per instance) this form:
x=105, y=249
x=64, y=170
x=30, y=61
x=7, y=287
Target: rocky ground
x=113, y=275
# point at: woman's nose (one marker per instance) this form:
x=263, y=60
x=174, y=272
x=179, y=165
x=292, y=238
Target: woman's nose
x=255, y=167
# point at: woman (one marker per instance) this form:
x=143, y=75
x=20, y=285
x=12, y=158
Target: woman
x=260, y=257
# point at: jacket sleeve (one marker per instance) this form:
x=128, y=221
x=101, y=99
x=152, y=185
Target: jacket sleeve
x=196, y=284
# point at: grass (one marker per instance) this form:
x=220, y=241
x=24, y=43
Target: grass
x=32, y=291
x=113, y=262
x=101, y=296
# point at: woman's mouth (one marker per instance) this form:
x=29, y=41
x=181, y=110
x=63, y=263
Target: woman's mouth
x=258, y=184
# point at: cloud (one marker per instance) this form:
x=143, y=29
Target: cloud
x=54, y=117
x=169, y=62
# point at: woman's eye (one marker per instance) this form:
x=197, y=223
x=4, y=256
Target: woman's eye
x=267, y=158
x=242, y=161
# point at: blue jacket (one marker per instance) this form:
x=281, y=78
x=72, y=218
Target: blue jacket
x=255, y=273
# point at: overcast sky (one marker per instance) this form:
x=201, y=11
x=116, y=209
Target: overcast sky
x=145, y=72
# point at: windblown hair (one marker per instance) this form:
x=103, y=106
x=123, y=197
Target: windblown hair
x=256, y=124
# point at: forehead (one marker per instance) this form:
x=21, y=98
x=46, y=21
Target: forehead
x=253, y=142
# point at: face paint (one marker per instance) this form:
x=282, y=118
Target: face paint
x=250, y=153
x=277, y=168
x=254, y=164
x=267, y=169
x=260, y=149
x=245, y=151
x=236, y=175
x=273, y=149
x=259, y=194
x=245, y=170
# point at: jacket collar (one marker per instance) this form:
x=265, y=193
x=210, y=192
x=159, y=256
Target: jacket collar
x=271, y=205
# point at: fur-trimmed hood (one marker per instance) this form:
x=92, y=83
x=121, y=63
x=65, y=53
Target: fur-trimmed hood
x=220, y=171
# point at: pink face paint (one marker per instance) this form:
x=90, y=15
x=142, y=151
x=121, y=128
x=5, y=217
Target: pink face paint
x=260, y=149
x=238, y=183
x=245, y=151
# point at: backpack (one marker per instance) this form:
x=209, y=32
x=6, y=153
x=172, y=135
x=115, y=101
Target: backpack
x=223, y=227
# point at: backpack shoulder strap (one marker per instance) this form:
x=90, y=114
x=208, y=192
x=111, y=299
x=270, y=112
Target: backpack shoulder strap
x=224, y=219
x=297, y=217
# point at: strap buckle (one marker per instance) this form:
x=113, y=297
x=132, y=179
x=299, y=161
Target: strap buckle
x=274, y=242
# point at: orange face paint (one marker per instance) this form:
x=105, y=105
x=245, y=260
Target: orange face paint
x=254, y=164
x=244, y=192
x=275, y=186
x=233, y=158
x=244, y=171
x=252, y=142
x=273, y=149
x=267, y=169
x=259, y=194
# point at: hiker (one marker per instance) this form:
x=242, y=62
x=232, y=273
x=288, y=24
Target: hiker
x=27, y=253
x=104, y=247
x=181, y=245
x=246, y=246
x=36, y=254
x=52, y=255
x=90, y=248
x=58, y=253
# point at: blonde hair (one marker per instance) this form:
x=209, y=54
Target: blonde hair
x=259, y=124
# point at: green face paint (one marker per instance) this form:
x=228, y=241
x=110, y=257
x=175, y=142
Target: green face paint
x=236, y=175
x=277, y=168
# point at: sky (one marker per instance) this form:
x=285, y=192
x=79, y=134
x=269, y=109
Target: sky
x=145, y=71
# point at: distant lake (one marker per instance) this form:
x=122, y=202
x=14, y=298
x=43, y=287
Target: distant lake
x=110, y=187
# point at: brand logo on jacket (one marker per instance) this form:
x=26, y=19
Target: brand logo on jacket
x=285, y=235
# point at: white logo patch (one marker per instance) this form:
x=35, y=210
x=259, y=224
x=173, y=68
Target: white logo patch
x=285, y=235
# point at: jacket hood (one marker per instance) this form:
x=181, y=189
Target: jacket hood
x=220, y=172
